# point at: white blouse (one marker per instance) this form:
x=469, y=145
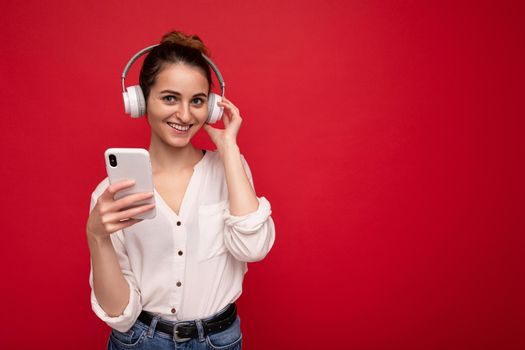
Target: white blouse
x=188, y=266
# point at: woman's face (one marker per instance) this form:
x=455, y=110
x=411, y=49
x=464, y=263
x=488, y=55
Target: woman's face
x=177, y=105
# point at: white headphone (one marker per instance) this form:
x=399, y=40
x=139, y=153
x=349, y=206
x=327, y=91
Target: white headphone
x=135, y=104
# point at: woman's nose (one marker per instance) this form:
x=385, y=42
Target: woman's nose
x=183, y=114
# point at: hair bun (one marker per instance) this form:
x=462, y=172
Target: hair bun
x=179, y=38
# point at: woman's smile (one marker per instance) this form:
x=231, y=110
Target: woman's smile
x=179, y=128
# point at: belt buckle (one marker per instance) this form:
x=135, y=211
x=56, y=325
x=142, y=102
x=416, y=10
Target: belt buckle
x=175, y=332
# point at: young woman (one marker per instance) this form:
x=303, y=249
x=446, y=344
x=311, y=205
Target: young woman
x=171, y=282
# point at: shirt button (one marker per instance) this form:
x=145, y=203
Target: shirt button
x=173, y=310
x=179, y=223
x=179, y=284
x=180, y=252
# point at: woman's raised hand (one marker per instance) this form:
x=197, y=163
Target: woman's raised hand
x=108, y=215
x=232, y=123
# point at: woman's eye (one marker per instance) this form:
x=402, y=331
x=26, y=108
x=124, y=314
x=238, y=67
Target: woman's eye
x=197, y=101
x=169, y=99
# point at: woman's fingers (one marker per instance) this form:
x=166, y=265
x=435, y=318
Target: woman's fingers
x=110, y=215
x=226, y=120
x=112, y=220
x=117, y=186
x=129, y=201
x=114, y=215
x=228, y=104
x=124, y=224
x=108, y=204
x=231, y=112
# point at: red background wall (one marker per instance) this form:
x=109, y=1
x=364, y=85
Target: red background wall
x=388, y=136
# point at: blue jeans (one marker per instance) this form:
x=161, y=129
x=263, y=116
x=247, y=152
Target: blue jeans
x=144, y=337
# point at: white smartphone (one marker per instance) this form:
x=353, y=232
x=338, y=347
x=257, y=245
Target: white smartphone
x=131, y=163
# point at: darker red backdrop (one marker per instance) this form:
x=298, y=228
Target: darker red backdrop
x=388, y=136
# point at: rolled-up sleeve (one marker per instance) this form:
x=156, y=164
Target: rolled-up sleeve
x=130, y=314
x=250, y=237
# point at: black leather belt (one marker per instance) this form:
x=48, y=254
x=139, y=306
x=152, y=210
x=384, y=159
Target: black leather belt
x=187, y=330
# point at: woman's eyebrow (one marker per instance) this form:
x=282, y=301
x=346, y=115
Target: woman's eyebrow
x=179, y=94
x=170, y=92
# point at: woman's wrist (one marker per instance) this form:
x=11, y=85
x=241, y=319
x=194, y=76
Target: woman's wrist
x=228, y=147
x=94, y=240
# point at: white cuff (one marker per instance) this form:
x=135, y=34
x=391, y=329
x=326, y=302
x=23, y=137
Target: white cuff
x=252, y=222
x=124, y=322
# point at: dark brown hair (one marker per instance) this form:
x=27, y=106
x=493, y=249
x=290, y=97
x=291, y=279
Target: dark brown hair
x=175, y=47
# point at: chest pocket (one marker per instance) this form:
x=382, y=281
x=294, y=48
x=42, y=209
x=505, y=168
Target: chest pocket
x=211, y=227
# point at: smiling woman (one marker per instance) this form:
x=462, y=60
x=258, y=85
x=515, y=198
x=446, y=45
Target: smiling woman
x=177, y=104
x=175, y=278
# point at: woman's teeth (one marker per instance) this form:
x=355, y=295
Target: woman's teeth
x=179, y=127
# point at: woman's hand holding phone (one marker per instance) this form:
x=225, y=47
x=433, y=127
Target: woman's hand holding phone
x=110, y=215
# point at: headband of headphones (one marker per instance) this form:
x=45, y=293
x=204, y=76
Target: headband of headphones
x=149, y=48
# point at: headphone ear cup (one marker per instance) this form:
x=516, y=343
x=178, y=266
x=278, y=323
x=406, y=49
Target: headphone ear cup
x=134, y=102
x=214, y=112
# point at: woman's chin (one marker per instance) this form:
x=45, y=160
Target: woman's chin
x=178, y=143
x=175, y=139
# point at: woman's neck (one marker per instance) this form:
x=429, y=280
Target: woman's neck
x=172, y=160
